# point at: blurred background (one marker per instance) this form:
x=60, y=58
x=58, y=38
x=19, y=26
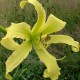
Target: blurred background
x=31, y=68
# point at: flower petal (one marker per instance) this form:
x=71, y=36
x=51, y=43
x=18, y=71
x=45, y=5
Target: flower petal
x=52, y=71
x=64, y=39
x=18, y=56
x=41, y=14
x=9, y=43
x=22, y=3
x=8, y=77
x=19, y=30
x=53, y=24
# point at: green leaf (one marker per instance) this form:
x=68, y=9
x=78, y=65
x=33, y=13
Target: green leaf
x=79, y=76
x=18, y=56
x=52, y=71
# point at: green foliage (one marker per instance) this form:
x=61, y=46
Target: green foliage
x=3, y=57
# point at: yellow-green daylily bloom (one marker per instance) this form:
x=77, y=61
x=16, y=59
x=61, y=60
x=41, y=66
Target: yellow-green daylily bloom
x=36, y=38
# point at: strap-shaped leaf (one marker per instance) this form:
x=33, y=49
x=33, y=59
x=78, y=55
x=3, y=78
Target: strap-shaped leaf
x=53, y=24
x=64, y=39
x=18, y=56
x=52, y=71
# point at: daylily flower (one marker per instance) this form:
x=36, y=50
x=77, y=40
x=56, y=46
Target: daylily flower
x=37, y=37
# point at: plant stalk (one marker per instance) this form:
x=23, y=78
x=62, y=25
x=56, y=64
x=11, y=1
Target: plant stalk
x=2, y=29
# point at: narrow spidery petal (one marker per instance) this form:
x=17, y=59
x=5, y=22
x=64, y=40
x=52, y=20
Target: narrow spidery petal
x=19, y=30
x=64, y=39
x=41, y=15
x=40, y=11
x=53, y=24
x=18, y=56
x=22, y=3
x=9, y=43
x=52, y=71
x=8, y=77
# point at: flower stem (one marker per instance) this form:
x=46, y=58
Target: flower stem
x=2, y=29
